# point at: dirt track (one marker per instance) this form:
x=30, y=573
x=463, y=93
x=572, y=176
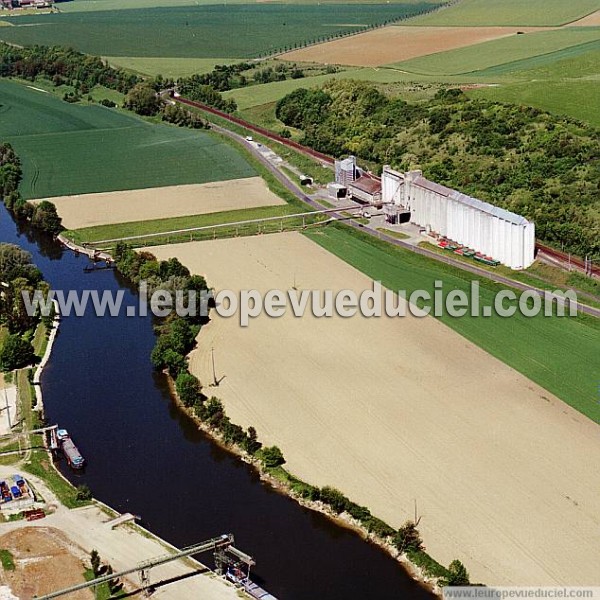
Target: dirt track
x=89, y=210
x=592, y=20
x=395, y=44
x=505, y=474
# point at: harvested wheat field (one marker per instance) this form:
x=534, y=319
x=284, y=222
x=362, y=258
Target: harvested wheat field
x=389, y=411
x=45, y=561
x=88, y=210
x=395, y=44
x=592, y=20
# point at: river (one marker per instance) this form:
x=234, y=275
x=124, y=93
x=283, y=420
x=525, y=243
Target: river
x=147, y=457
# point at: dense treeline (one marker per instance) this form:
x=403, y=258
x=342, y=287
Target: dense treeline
x=63, y=66
x=541, y=166
x=194, y=90
x=17, y=275
x=229, y=77
x=177, y=335
x=144, y=100
x=42, y=215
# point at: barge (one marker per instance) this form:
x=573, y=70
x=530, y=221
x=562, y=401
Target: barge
x=70, y=450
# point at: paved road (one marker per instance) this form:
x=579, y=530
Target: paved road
x=475, y=270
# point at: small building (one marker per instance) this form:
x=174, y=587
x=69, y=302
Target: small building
x=337, y=190
x=346, y=170
x=366, y=189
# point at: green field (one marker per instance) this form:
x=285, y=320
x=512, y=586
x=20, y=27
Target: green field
x=168, y=67
x=120, y=230
x=510, y=12
x=557, y=353
x=513, y=53
x=73, y=149
x=257, y=95
x=101, y=5
x=575, y=99
x=239, y=31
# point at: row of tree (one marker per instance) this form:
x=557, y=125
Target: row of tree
x=42, y=215
x=206, y=94
x=542, y=166
x=17, y=275
x=229, y=77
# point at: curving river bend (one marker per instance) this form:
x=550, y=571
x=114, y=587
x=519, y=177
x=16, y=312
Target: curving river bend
x=146, y=457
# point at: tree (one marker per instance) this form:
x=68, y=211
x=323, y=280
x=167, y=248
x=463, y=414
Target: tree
x=457, y=575
x=15, y=353
x=272, y=457
x=174, y=362
x=95, y=562
x=15, y=262
x=143, y=100
x=408, y=538
x=252, y=445
x=188, y=388
x=46, y=217
x=83, y=492
x=334, y=498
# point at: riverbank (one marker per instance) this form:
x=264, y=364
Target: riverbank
x=282, y=485
x=88, y=528
x=37, y=376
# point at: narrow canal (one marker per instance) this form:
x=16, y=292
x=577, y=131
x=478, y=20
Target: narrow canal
x=146, y=457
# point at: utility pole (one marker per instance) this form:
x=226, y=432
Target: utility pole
x=212, y=354
x=7, y=409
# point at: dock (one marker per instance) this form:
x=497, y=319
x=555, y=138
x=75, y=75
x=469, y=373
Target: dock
x=91, y=253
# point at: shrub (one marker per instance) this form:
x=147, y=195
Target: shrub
x=272, y=457
x=334, y=498
x=83, y=492
x=15, y=353
x=457, y=575
x=408, y=538
x=188, y=387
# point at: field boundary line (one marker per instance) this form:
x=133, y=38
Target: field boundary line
x=480, y=71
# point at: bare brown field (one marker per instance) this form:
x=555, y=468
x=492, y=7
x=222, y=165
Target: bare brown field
x=392, y=411
x=45, y=561
x=395, y=44
x=592, y=20
x=88, y=210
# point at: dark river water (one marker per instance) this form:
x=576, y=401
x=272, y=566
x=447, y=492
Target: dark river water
x=147, y=457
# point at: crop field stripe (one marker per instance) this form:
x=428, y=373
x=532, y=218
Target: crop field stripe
x=85, y=149
x=219, y=31
x=157, y=226
x=523, y=13
x=557, y=353
x=524, y=64
x=480, y=57
x=577, y=99
x=169, y=67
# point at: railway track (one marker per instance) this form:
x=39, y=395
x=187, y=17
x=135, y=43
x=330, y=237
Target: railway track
x=590, y=310
x=568, y=260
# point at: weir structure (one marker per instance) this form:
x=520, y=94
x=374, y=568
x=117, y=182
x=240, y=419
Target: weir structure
x=218, y=545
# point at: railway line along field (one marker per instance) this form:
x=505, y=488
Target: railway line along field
x=321, y=406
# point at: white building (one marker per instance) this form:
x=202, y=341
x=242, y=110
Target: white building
x=493, y=231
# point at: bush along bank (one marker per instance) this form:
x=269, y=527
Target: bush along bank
x=176, y=338
x=43, y=215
